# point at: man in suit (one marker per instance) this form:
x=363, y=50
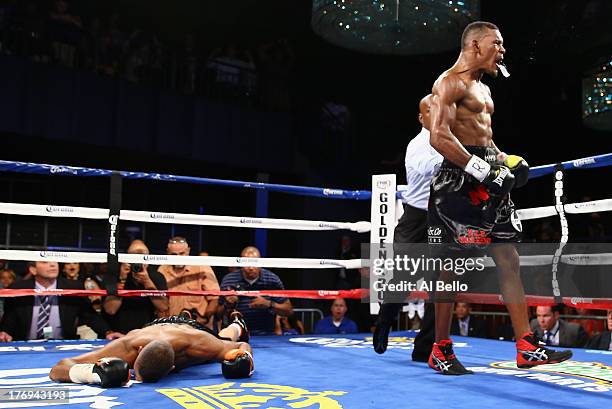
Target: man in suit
x=52, y=317
x=465, y=324
x=554, y=331
x=603, y=341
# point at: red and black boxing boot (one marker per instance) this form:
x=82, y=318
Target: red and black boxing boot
x=531, y=352
x=443, y=359
x=236, y=318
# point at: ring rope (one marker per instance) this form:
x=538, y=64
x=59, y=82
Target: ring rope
x=311, y=294
x=22, y=209
x=162, y=259
x=45, y=169
x=477, y=298
x=303, y=263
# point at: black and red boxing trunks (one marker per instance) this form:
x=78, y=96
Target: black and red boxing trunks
x=182, y=319
x=462, y=215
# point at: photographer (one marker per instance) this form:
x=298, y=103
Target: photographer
x=126, y=314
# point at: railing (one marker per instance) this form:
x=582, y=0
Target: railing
x=308, y=316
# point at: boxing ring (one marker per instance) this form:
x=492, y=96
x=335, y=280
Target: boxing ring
x=312, y=371
x=332, y=372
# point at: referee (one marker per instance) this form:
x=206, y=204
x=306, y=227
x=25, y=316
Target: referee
x=422, y=161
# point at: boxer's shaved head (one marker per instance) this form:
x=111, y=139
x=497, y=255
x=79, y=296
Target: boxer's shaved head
x=154, y=361
x=475, y=31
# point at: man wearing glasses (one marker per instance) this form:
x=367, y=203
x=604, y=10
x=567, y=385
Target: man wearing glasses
x=192, y=278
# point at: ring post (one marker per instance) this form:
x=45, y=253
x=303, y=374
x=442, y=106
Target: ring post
x=112, y=255
x=381, y=234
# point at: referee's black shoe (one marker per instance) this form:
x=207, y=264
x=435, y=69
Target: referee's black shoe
x=386, y=316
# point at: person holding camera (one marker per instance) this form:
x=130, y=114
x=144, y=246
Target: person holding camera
x=126, y=314
x=259, y=312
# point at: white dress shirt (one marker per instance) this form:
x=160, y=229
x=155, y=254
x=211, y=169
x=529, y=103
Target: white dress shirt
x=422, y=162
x=554, y=335
x=54, y=316
x=464, y=326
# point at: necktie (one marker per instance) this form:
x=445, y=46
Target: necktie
x=43, y=315
x=547, y=337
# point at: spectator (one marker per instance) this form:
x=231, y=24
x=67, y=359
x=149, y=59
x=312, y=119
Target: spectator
x=124, y=272
x=337, y=322
x=126, y=314
x=603, y=341
x=259, y=311
x=71, y=271
x=48, y=316
x=590, y=326
x=7, y=277
x=288, y=325
x=99, y=274
x=465, y=324
x=190, y=278
x=554, y=331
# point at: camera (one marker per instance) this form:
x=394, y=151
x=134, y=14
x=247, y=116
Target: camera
x=136, y=268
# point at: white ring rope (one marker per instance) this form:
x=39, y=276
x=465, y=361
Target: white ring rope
x=162, y=259
x=180, y=218
x=22, y=209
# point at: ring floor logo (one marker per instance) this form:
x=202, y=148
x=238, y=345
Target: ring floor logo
x=586, y=376
x=252, y=395
x=394, y=342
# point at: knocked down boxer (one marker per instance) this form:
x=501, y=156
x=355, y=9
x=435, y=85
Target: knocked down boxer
x=158, y=348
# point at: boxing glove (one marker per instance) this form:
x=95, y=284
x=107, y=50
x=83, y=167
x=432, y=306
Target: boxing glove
x=518, y=166
x=497, y=179
x=107, y=372
x=238, y=363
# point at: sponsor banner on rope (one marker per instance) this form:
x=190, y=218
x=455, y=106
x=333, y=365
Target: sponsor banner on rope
x=59, y=209
x=587, y=376
x=161, y=216
x=63, y=169
x=54, y=255
x=583, y=162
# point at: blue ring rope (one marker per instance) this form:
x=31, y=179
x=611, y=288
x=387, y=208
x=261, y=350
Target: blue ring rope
x=330, y=193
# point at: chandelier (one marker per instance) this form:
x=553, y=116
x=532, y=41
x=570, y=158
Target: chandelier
x=403, y=27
